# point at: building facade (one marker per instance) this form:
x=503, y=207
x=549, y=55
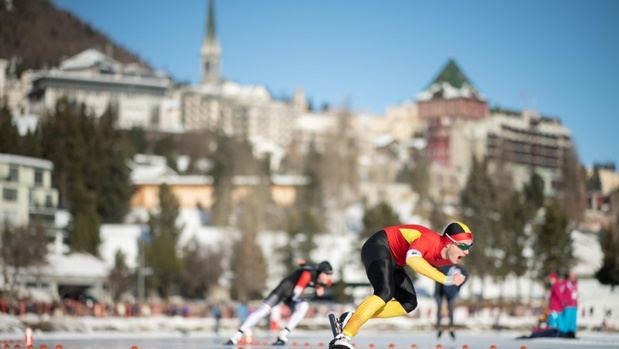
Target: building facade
x=27, y=193
x=99, y=81
x=528, y=141
x=449, y=98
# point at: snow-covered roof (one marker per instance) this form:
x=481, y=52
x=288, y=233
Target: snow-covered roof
x=76, y=267
x=26, y=161
x=149, y=168
x=90, y=58
x=448, y=92
x=26, y=123
x=123, y=237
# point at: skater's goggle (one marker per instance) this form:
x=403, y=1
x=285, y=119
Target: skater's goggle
x=462, y=246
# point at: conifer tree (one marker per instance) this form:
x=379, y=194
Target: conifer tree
x=573, y=192
x=84, y=234
x=378, y=217
x=306, y=218
x=119, y=278
x=513, y=237
x=248, y=264
x=202, y=268
x=552, y=242
x=480, y=212
x=223, y=172
x=114, y=187
x=534, y=193
x=9, y=135
x=161, y=254
x=608, y=274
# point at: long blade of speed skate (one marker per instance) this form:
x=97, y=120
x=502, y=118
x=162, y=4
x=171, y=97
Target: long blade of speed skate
x=335, y=327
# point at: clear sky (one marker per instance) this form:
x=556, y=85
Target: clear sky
x=559, y=57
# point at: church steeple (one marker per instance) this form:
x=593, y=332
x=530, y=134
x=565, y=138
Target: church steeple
x=210, y=50
x=211, y=33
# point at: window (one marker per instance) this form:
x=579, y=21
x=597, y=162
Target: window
x=13, y=174
x=9, y=194
x=49, y=202
x=38, y=177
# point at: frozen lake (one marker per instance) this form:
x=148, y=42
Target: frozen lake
x=315, y=340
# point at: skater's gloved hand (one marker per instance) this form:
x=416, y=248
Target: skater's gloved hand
x=455, y=279
x=297, y=293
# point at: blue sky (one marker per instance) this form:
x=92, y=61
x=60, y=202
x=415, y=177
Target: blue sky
x=559, y=57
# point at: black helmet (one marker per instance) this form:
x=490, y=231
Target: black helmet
x=456, y=228
x=325, y=267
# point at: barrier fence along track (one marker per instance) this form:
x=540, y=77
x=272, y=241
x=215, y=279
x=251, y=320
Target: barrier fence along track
x=15, y=344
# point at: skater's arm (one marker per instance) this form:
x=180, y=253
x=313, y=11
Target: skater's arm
x=302, y=282
x=421, y=266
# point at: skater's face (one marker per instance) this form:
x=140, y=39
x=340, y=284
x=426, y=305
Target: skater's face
x=325, y=279
x=455, y=253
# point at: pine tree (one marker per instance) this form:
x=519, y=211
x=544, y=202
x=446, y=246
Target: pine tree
x=119, y=278
x=248, y=264
x=30, y=144
x=608, y=274
x=534, y=193
x=438, y=219
x=420, y=177
x=573, y=187
x=202, y=268
x=514, y=238
x=84, y=234
x=223, y=172
x=339, y=174
x=9, y=135
x=552, y=242
x=306, y=219
x=114, y=187
x=161, y=253
x=377, y=218
x=479, y=211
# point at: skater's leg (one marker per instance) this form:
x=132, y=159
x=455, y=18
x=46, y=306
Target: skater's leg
x=250, y=322
x=380, y=274
x=255, y=317
x=391, y=309
x=405, y=297
x=299, y=310
x=451, y=301
x=450, y=309
x=439, y=309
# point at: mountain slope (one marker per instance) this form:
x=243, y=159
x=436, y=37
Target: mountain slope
x=39, y=35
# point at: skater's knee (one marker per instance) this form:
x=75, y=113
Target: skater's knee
x=386, y=294
x=301, y=307
x=409, y=305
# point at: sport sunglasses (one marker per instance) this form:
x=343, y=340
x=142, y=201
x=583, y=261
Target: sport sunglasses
x=462, y=246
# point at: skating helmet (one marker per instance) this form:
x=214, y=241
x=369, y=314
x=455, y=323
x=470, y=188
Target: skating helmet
x=458, y=231
x=325, y=267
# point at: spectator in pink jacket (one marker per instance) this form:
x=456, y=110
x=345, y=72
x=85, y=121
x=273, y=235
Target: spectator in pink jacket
x=570, y=301
x=555, y=302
